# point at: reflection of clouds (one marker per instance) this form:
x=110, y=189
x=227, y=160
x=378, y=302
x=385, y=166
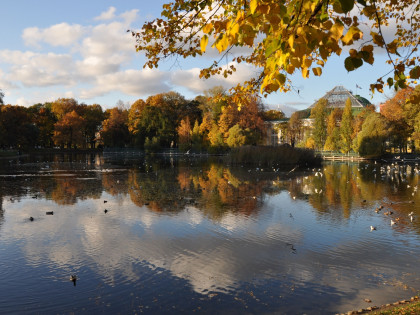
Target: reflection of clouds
x=111, y=243
x=232, y=222
x=212, y=255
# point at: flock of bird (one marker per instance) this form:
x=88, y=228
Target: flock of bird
x=393, y=221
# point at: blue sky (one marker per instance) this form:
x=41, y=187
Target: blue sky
x=51, y=49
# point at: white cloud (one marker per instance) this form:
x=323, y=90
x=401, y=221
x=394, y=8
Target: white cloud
x=61, y=34
x=107, y=15
x=190, y=80
x=129, y=16
x=34, y=69
x=132, y=82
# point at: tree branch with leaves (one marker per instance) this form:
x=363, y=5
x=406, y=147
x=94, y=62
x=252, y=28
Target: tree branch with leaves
x=286, y=37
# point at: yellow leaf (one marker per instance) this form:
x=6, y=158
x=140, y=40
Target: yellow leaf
x=290, y=69
x=352, y=34
x=353, y=53
x=337, y=30
x=203, y=43
x=306, y=63
x=234, y=29
x=208, y=28
x=253, y=6
x=305, y=73
x=317, y=71
x=291, y=41
x=222, y=43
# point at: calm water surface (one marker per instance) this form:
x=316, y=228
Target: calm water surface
x=187, y=235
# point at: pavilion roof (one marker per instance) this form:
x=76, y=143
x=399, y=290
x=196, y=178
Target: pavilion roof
x=337, y=98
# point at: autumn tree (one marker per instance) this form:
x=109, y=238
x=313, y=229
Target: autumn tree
x=68, y=131
x=196, y=137
x=273, y=114
x=285, y=37
x=396, y=111
x=346, y=128
x=332, y=141
x=247, y=113
x=62, y=106
x=412, y=116
x=184, y=134
x=318, y=113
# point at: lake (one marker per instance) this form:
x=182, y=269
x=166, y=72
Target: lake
x=184, y=234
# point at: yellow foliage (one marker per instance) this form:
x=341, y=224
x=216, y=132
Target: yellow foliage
x=285, y=36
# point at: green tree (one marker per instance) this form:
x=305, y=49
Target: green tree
x=285, y=37
x=235, y=137
x=134, y=118
x=159, y=117
x=371, y=139
x=346, y=128
x=318, y=113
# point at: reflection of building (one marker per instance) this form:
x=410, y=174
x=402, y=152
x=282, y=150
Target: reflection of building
x=274, y=134
x=336, y=98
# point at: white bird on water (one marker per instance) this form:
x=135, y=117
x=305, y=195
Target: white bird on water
x=372, y=228
x=393, y=222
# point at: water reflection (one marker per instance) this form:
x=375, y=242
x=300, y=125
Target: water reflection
x=255, y=240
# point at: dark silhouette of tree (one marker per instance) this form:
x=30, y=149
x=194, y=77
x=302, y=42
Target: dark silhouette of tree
x=16, y=127
x=114, y=131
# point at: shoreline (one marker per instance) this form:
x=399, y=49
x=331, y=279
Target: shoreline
x=386, y=307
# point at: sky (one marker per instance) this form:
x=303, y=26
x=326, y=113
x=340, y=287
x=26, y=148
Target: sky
x=81, y=49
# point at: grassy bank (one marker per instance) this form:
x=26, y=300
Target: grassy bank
x=405, y=309
x=273, y=156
